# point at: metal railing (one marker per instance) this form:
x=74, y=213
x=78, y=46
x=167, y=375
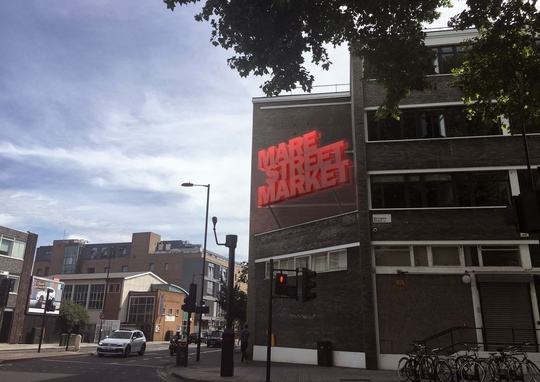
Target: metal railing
x=457, y=337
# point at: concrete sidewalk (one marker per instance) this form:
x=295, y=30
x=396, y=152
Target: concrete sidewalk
x=208, y=371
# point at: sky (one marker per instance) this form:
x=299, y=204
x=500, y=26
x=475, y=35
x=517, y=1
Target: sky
x=107, y=107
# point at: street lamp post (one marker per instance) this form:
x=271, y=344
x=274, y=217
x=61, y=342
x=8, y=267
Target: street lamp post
x=204, y=261
x=102, y=314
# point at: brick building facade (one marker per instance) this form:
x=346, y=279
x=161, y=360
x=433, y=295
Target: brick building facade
x=412, y=245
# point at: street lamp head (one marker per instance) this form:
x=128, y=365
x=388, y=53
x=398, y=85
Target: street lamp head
x=189, y=184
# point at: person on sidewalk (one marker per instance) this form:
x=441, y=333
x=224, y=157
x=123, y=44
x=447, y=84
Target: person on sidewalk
x=244, y=340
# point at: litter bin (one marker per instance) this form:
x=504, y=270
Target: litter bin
x=324, y=353
x=182, y=353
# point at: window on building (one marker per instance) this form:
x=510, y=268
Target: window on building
x=448, y=58
x=90, y=270
x=151, y=267
x=177, y=312
x=318, y=262
x=470, y=189
x=141, y=310
x=392, y=256
x=114, y=288
x=39, y=272
x=12, y=247
x=46, y=271
x=442, y=122
x=211, y=270
x=445, y=256
x=14, y=287
x=209, y=288
x=170, y=312
x=166, y=267
x=500, y=256
x=450, y=255
x=80, y=294
x=68, y=291
x=97, y=294
x=124, y=268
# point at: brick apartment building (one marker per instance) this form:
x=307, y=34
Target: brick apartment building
x=16, y=258
x=177, y=262
x=401, y=220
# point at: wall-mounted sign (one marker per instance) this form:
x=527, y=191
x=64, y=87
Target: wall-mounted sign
x=40, y=290
x=300, y=167
x=382, y=218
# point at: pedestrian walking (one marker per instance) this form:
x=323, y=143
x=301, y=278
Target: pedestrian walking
x=244, y=340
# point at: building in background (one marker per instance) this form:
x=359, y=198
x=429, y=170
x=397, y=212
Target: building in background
x=401, y=219
x=16, y=259
x=177, y=262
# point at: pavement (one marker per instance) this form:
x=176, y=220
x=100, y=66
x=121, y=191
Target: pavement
x=201, y=371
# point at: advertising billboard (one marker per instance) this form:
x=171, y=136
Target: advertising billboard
x=40, y=290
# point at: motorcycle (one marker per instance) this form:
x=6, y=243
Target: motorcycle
x=173, y=346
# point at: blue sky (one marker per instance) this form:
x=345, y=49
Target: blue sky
x=107, y=107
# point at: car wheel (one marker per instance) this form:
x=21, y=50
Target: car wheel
x=143, y=348
x=127, y=352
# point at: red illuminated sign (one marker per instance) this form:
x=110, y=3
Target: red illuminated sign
x=300, y=167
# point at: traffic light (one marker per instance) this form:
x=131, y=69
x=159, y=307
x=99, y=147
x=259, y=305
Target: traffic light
x=308, y=284
x=281, y=284
x=282, y=287
x=190, y=301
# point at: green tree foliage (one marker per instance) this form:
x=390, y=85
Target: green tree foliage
x=501, y=71
x=73, y=315
x=273, y=37
x=239, y=303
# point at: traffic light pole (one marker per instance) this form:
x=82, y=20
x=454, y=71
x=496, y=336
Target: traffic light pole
x=269, y=329
x=43, y=321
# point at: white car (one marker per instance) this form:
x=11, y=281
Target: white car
x=123, y=342
x=42, y=295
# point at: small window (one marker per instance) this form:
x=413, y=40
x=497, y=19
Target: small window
x=471, y=255
x=445, y=256
x=39, y=272
x=114, y=288
x=420, y=256
x=151, y=267
x=337, y=259
x=177, y=312
x=124, y=268
x=319, y=263
x=90, y=270
x=166, y=267
x=503, y=256
x=393, y=256
x=170, y=312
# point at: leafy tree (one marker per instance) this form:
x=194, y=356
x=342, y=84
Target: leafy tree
x=239, y=303
x=501, y=72
x=272, y=37
x=72, y=315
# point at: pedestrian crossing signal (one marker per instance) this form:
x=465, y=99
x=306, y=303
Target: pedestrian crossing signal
x=282, y=287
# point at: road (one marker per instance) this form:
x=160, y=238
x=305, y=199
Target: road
x=90, y=368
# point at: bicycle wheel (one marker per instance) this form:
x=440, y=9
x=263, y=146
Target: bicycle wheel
x=444, y=372
x=533, y=372
x=472, y=371
x=403, y=369
x=516, y=371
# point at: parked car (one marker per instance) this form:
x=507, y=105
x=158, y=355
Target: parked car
x=192, y=338
x=215, y=338
x=123, y=342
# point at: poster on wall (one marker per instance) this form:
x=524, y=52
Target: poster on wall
x=42, y=289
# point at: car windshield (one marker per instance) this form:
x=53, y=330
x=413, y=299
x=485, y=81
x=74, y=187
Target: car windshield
x=121, y=335
x=216, y=334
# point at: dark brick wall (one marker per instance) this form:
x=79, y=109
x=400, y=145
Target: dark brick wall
x=273, y=126
x=421, y=306
x=332, y=316
x=496, y=151
x=444, y=224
